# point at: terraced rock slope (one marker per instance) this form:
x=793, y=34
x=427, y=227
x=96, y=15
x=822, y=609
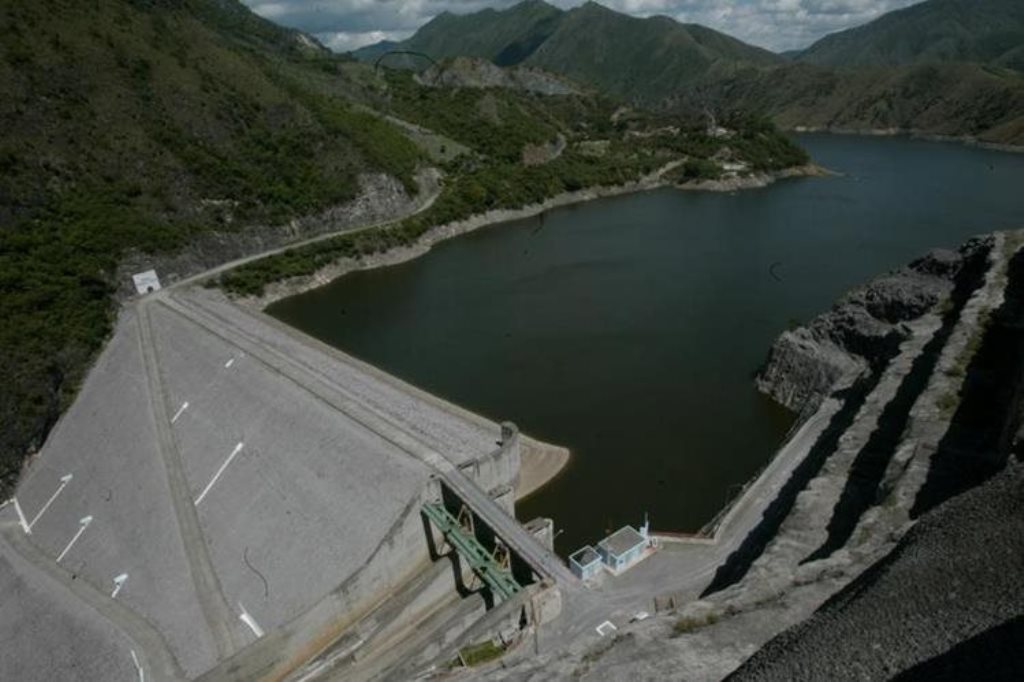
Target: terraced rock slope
x=895, y=547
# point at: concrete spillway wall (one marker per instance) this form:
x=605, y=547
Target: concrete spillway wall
x=497, y=472
x=402, y=555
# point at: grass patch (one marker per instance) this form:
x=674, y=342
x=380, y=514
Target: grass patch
x=970, y=349
x=688, y=624
x=478, y=654
x=948, y=402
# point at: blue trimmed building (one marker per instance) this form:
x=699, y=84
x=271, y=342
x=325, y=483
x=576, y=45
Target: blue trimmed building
x=623, y=548
x=585, y=563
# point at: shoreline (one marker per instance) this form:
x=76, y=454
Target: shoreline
x=541, y=462
x=912, y=134
x=277, y=291
x=757, y=180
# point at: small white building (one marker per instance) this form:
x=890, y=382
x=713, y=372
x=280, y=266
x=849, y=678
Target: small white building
x=585, y=563
x=623, y=548
x=146, y=282
x=617, y=552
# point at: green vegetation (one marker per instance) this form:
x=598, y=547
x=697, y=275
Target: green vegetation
x=688, y=624
x=138, y=126
x=944, y=67
x=983, y=31
x=478, y=654
x=963, y=360
x=941, y=99
x=652, y=59
x=466, y=193
x=701, y=169
x=135, y=126
x=948, y=402
x=496, y=124
x=494, y=178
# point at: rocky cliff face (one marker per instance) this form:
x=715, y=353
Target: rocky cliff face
x=469, y=72
x=957, y=576
x=859, y=332
x=382, y=198
x=894, y=549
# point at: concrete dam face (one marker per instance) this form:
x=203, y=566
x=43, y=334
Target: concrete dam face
x=256, y=496
x=229, y=499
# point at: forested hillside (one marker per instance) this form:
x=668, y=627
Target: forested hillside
x=520, y=149
x=637, y=59
x=980, y=31
x=134, y=125
x=955, y=100
x=942, y=67
x=147, y=126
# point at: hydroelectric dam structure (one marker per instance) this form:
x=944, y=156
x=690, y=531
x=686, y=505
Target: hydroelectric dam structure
x=262, y=506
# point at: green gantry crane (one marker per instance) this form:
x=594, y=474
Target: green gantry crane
x=496, y=577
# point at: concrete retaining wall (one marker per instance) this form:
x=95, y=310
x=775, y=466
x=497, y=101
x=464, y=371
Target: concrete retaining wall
x=400, y=556
x=497, y=472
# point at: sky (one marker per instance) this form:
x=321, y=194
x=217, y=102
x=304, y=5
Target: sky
x=774, y=24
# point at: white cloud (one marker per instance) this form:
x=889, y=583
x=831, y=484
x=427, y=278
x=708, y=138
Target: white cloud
x=775, y=24
x=342, y=41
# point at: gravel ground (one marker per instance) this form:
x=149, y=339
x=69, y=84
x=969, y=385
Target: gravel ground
x=955, y=581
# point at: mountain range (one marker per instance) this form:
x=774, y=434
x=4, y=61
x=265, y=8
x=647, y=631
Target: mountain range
x=980, y=31
x=181, y=134
x=942, y=67
x=617, y=53
x=132, y=127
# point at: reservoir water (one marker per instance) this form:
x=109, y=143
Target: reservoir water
x=629, y=329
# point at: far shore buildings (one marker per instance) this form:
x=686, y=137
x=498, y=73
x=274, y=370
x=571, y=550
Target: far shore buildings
x=616, y=553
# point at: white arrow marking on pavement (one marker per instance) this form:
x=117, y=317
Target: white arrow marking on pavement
x=135, y=660
x=83, y=523
x=64, y=480
x=119, y=582
x=247, y=618
x=238, y=448
x=184, y=406
x=229, y=363
x=21, y=517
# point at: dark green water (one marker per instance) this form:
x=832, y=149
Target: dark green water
x=629, y=329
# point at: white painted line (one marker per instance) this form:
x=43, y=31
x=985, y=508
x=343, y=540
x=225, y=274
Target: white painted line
x=238, y=448
x=606, y=627
x=64, y=480
x=6, y=502
x=229, y=363
x=247, y=618
x=184, y=406
x=119, y=582
x=138, y=666
x=21, y=517
x=83, y=523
